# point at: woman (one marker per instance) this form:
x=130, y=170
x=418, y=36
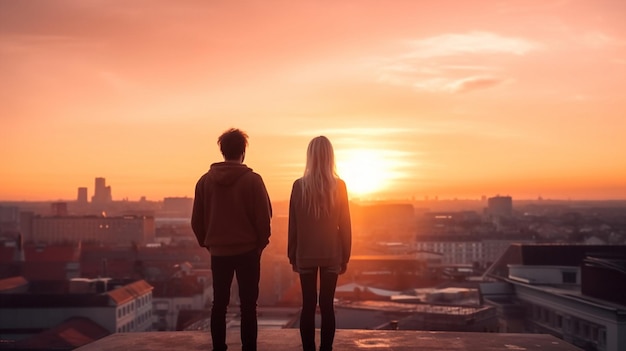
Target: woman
x=320, y=239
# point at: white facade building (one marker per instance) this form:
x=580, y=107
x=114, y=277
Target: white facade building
x=574, y=292
x=467, y=251
x=127, y=308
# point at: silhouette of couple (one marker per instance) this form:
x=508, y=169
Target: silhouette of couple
x=231, y=218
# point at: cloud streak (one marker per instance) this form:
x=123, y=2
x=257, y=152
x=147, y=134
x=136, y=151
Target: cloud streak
x=453, y=62
x=473, y=83
x=469, y=43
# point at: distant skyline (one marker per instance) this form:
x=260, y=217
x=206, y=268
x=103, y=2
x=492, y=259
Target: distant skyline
x=431, y=98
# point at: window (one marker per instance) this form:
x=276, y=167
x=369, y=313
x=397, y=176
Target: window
x=569, y=277
x=602, y=339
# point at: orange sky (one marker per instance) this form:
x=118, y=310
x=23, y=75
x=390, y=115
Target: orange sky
x=420, y=98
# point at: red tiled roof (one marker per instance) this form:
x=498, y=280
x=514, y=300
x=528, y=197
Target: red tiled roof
x=53, y=253
x=44, y=270
x=112, y=272
x=128, y=292
x=72, y=333
x=12, y=283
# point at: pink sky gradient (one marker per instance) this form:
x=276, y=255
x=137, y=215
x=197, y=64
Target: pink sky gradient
x=447, y=98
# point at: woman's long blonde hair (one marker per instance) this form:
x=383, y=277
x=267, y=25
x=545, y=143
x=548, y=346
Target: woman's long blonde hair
x=320, y=177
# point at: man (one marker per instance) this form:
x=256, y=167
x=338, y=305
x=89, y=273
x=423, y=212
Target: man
x=231, y=218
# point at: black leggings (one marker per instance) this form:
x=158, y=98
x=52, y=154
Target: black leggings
x=328, y=283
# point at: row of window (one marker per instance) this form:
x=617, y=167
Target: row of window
x=569, y=325
x=143, y=300
x=128, y=308
x=141, y=319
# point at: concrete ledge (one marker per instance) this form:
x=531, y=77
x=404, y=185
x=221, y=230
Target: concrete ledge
x=345, y=340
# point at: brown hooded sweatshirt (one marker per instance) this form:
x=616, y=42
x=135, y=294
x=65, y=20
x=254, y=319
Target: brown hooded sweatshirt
x=231, y=210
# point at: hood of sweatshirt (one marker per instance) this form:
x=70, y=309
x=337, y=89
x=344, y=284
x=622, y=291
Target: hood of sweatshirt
x=227, y=173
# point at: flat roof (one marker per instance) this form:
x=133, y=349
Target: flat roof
x=345, y=340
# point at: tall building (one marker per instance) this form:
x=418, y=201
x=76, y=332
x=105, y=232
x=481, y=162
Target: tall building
x=102, y=192
x=500, y=206
x=82, y=195
x=9, y=218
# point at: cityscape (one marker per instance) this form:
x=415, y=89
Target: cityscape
x=495, y=265
x=481, y=145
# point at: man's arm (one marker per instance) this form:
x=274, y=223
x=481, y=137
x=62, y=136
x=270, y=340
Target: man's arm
x=263, y=210
x=198, y=221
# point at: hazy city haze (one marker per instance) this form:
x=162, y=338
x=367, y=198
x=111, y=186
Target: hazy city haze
x=420, y=98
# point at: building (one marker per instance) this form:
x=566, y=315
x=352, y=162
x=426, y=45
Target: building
x=383, y=221
x=102, y=192
x=500, y=206
x=9, y=219
x=574, y=292
x=177, y=207
x=115, y=306
x=50, y=262
x=378, y=315
x=82, y=197
x=465, y=249
x=59, y=209
x=123, y=230
x=186, y=290
x=393, y=272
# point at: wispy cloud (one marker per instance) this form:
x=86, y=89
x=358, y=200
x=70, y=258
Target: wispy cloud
x=357, y=131
x=469, y=43
x=447, y=63
x=473, y=83
x=431, y=127
x=16, y=43
x=598, y=40
x=507, y=8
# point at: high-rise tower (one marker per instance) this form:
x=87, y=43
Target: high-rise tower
x=102, y=192
x=82, y=195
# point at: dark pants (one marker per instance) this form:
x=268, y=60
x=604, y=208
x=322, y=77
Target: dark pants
x=328, y=283
x=247, y=269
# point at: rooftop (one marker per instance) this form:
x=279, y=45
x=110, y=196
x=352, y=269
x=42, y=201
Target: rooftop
x=345, y=340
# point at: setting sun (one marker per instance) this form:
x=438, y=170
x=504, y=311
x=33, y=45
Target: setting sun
x=364, y=171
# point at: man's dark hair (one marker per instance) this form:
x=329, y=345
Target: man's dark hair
x=233, y=143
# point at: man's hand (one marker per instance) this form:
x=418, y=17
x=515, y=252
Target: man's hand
x=344, y=267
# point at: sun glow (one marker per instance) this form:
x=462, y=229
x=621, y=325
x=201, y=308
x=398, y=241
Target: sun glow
x=365, y=171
